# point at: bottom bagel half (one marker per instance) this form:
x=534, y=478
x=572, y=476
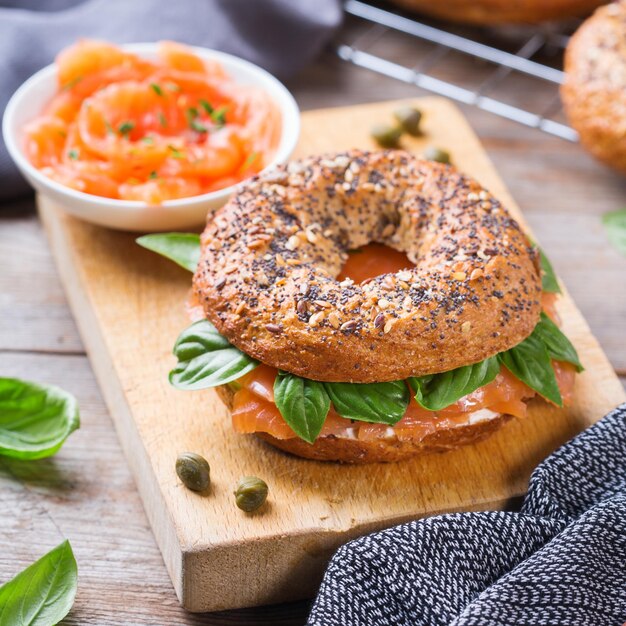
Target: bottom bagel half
x=386, y=450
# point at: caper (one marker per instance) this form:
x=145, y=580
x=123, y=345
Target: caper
x=409, y=119
x=386, y=136
x=437, y=154
x=251, y=493
x=193, y=470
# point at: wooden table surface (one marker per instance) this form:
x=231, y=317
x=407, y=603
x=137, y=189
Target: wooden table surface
x=86, y=492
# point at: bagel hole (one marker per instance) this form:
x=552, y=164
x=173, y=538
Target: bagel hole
x=371, y=260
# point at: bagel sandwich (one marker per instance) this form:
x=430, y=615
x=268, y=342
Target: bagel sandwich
x=371, y=306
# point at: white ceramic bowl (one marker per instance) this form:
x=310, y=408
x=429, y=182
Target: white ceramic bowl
x=30, y=98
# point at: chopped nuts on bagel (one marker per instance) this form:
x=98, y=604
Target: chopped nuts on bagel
x=267, y=274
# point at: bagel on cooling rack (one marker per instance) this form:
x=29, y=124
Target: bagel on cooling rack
x=594, y=91
x=366, y=307
x=501, y=11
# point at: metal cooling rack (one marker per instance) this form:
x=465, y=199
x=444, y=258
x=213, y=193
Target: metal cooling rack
x=536, y=53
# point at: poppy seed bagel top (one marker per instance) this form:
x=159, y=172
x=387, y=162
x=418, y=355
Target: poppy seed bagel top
x=266, y=277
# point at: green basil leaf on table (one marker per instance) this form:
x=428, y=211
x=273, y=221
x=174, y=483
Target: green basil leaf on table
x=35, y=420
x=381, y=403
x=303, y=403
x=437, y=391
x=206, y=359
x=559, y=347
x=182, y=248
x=43, y=593
x=549, y=282
x=615, y=225
x=530, y=362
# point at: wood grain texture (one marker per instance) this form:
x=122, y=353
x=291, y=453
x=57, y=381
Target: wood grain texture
x=30, y=290
x=128, y=305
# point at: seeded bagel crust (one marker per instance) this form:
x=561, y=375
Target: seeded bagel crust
x=348, y=450
x=594, y=91
x=501, y=11
x=266, y=277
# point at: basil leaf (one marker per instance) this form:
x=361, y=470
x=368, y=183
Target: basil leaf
x=615, y=225
x=35, y=419
x=43, y=593
x=559, y=347
x=381, y=403
x=549, y=282
x=206, y=359
x=182, y=248
x=438, y=391
x=530, y=362
x=303, y=403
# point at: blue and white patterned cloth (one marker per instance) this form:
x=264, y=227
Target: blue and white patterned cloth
x=561, y=561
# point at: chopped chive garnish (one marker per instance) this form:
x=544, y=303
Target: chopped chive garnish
x=156, y=88
x=219, y=116
x=108, y=126
x=62, y=133
x=252, y=157
x=206, y=106
x=199, y=127
x=176, y=153
x=72, y=83
x=194, y=123
x=162, y=120
x=73, y=154
x=153, y=175
x=148, y=140
x=125, y=127
x=173, y=87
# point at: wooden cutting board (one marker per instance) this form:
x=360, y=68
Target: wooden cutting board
x=128, y=305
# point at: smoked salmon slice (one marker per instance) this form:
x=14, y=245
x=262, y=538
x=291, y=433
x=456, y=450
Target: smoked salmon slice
x=125, y=127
